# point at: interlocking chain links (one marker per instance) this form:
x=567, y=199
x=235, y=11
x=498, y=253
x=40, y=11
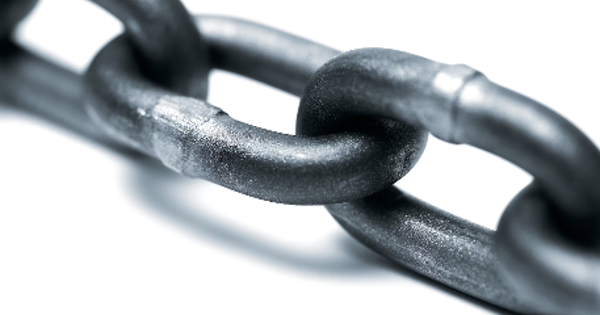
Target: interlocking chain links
x=539, y=253
x=460, y=105
x=559, y=275
x=200, y=140
x=483, y=266
x=557, y=257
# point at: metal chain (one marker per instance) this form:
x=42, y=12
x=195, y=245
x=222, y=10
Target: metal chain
x=362, y=121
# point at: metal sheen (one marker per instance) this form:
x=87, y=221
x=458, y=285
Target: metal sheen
x=362, y=123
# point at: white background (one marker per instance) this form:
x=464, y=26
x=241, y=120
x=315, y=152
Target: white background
x=85, y=230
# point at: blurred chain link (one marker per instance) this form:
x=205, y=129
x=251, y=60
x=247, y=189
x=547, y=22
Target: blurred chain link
x=362, y=125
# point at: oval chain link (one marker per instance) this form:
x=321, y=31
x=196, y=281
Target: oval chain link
x=460, y=105
x=362, y=117
x=199, y=140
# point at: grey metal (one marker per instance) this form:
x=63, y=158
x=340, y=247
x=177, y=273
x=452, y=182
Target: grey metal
x=199, y=140
x=356, y=119
x=262, y=53
x=170, y=48
x=434, y=243
x=460, y=105
x=11, y=13
x=58, y=96
x=36, y=85
x=559, y=275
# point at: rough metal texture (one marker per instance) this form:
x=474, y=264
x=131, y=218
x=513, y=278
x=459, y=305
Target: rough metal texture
x=547, y=243
x=464, y=108
x=199, y=140
x=473, y=110
x=432, y=242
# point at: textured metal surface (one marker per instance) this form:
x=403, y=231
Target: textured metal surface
x=362, y=121
x=460, y=105
x=376, y=82
x=199, y=140
x=432, y=242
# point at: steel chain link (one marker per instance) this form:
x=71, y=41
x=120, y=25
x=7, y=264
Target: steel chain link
x=362, y=119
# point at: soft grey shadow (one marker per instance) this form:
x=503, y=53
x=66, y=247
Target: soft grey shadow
x=150, y=183
x=96, y=137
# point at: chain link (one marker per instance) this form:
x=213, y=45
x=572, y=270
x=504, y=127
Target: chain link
x=361, y=125
x=200, y=140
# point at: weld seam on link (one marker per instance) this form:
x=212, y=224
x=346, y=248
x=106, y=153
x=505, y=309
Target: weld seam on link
x=448, y=84
x=167, y=125
x=489, y=117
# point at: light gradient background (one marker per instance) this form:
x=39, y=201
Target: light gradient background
x=85, y=230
